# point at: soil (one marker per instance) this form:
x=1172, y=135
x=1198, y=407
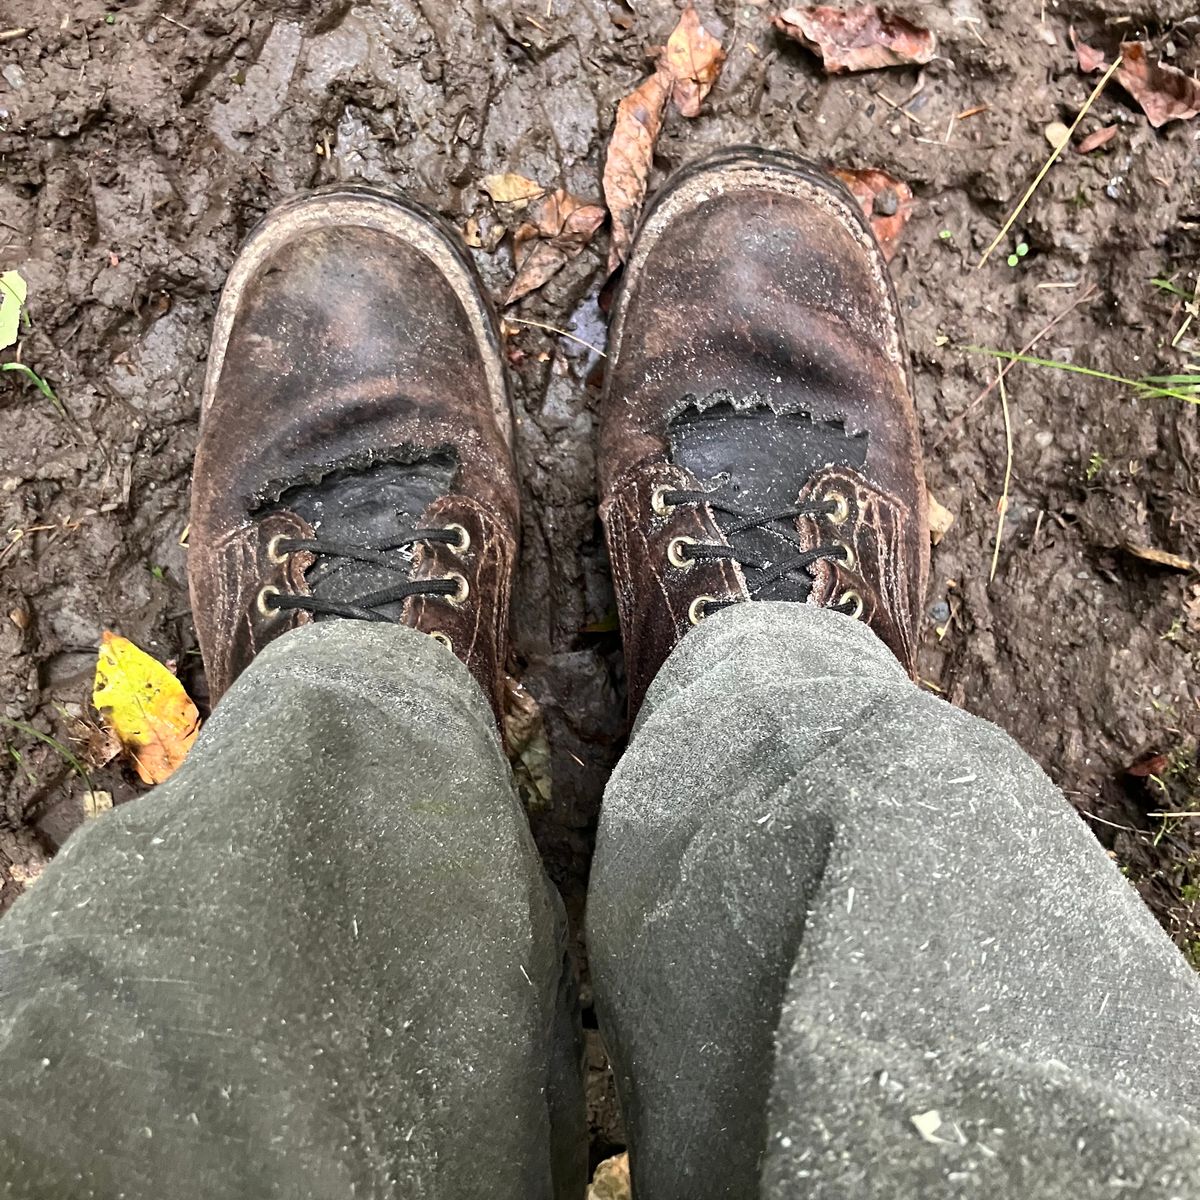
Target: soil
x=139, y=142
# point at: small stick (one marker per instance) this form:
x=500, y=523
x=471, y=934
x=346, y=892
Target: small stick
x=181, y=25
x=1029, y=345
x=1033, y=187
x=7, y=35
x=972, y=112
x=1003, y=506
x=555, y=329
x=902, y=111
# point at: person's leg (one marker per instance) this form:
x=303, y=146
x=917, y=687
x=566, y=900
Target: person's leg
x=322, y=960
x=826, y=905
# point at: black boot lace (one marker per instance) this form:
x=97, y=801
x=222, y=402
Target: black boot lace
x=380, y=554
x=683, y=551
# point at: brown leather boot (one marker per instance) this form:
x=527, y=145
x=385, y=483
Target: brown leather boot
x=355, y=457
x=758, y=439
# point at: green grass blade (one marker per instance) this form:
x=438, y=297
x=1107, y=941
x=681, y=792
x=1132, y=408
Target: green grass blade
x=38, y=382
x=55, y=745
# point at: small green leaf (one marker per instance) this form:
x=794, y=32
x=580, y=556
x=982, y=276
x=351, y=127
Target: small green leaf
x=1013, y=260
x=13, y=290
x=1022, y=249
x=946, y=235
x=157, y=571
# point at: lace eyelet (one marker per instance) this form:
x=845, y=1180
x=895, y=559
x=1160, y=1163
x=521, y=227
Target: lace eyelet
x=675, y=555
x=696, y=612
x=849, y=559
x=842, y=511
x=657, y=501
x=852, y=597
x=464, y=589
x=260, y=602
x=274, y=553
x=442, y=639
x=464, y=538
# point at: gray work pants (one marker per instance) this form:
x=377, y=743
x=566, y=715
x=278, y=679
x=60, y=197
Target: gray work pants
x=846, y=942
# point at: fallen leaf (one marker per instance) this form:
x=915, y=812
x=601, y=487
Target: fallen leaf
x=471, y=234
x=693, y=59
x=940, y=519
x=1154, y=765
x=886, y=202
x=1090, y=59
x=1096, y=139
x=145, y=706
x=510, y=188
x=630, y=153
x=527, y=744
x=1164, y=93
x=687, y=68
x=96, y=804
x=611, y=1180
x=556, y=229
x=1161, y=558
x=13, y=291
x=863, y=38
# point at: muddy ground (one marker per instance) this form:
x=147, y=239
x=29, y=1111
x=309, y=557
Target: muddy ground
x=140, y=141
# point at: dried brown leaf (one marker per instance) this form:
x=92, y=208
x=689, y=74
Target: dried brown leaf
x=692, y=58
x=863, y=38
x=886, y=202
x=1164, y=93
x=940, y=519
x=1090, y=59
x=1096, y=139
x=556, y=229
x=630, y=153
x=511, y=188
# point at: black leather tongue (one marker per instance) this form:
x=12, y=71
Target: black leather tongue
x=372, y=507
x=756, y=461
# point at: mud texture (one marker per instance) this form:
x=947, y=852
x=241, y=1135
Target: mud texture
x=140, y=141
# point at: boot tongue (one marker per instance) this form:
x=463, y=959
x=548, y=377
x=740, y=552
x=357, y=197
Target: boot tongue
x=757, y=461
x=372, y=507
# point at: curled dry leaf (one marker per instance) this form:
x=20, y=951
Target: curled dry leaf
x=145, y=706
x=511, y=188
x=611, y=1180
x=1096, y=139
x=1164, y=93
x=1090, y=59
x=886, y=202
x=1161, y=558
x=556, y=229
x=862, y=38
x=687, y=68
x=940, y=519
x=692, y=58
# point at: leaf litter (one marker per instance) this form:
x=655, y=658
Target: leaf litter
x=1164, y=93
x=862, y=38
x=686, y=70
x=886, y=201
x=556, y=229
x=145, y=706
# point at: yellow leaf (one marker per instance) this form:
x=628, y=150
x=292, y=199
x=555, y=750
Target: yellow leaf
x=145, y=706
x=511, y=188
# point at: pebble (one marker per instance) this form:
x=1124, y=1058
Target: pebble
x=1044, y=438
x=940, y=611
x=886, y=203
x=1056, y=134
x=13, y=76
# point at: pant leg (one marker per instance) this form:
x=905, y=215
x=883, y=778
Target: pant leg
x=849, y=941
x=321, y=961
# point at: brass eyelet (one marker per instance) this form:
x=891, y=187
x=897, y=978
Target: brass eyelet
x=273, y=551
x=696, y=612
x=464, y=538
x=849, y=559
x=675, y=555
x=852, y=597
x=442, y=640
x=260, y=601
x=657, y=501
x=464, y=589
x=842, y=511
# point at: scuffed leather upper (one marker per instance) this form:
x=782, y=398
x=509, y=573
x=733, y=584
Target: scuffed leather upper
x=755, y=281
x=351, y=332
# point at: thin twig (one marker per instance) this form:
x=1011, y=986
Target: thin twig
x=902, y=111
x=1033, y=187
x=7, y=35
x=181, y=25
x=555, y=329
x=1029, y=345
x=1003, y=506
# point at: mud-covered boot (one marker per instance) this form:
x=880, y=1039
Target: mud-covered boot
x=355, y=457
x=758, y=438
